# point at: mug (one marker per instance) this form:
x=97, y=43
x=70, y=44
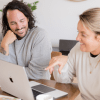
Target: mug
x=44, y=97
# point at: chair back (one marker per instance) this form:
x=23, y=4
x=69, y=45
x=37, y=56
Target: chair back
x=66, y=45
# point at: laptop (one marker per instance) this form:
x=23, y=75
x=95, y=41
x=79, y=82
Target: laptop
x=14, y=80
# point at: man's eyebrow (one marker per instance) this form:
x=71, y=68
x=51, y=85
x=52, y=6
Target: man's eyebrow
x=22, y=19
x=15, y=22
x=12, y=22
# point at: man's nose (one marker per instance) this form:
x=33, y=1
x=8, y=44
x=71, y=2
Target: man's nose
x=18, y=26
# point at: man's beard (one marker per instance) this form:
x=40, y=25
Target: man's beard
x=19, y=37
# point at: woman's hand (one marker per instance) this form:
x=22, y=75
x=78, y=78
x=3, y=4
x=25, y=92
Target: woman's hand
x=58, y=60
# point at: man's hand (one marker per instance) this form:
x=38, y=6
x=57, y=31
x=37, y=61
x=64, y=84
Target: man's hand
x=58, y=60
x=9, y=38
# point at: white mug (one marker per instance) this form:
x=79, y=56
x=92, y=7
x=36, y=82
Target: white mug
x=44, y=97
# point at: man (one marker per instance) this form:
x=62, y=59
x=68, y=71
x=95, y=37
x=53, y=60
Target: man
x=23, y=43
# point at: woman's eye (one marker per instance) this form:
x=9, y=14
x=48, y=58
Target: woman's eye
x=83, y=35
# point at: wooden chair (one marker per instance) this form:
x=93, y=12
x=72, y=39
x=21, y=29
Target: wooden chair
x=53, y=54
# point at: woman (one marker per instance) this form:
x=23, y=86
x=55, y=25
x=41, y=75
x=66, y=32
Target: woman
x=84, y=58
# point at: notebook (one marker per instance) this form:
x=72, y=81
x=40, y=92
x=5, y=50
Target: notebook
x=14, y=80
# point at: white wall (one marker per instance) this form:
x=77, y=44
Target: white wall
x=59, y=17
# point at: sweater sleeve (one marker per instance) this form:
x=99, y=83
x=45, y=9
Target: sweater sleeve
x=40, y=57
x=69, y=70
x=2, y=56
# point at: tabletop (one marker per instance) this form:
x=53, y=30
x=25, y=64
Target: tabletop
x=70, y=88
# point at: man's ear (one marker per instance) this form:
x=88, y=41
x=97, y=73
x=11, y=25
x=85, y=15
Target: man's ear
x=28, y=19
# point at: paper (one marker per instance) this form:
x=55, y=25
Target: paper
x=44, y=97
x=3, y=97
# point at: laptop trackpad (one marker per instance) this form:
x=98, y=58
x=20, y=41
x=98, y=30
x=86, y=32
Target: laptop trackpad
x=42, y=88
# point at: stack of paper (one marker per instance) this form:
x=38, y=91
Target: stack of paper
x=3, y=97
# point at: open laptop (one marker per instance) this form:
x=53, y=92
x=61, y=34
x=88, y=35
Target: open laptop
x=13, y=80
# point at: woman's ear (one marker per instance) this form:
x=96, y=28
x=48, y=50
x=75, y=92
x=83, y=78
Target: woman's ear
x=98, y=38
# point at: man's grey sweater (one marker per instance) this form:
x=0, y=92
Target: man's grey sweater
x=33, y=52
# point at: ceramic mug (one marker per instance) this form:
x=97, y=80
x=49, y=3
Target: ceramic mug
x=44, y=97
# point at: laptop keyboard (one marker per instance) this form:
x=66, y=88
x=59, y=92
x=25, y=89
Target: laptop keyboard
x=42, y=88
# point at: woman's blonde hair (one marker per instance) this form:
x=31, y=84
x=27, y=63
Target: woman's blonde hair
x=91, y=19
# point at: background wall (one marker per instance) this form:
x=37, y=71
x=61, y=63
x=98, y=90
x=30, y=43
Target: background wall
x=59, y=17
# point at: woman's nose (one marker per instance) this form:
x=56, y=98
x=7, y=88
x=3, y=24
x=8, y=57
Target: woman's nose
x=78, y=38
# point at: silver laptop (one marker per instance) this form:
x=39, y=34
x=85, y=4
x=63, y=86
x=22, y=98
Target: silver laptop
x=14, y=80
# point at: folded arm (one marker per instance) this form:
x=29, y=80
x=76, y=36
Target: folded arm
x=9, y=38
